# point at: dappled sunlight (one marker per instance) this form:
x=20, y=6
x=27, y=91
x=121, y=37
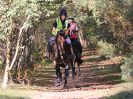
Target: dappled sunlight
x=95, y=71
x=41, y=40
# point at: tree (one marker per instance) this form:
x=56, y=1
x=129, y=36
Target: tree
x=18, y=14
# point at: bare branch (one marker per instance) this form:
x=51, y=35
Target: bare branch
x=18, y=41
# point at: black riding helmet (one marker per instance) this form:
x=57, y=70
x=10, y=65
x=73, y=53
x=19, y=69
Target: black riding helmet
x=63, y=12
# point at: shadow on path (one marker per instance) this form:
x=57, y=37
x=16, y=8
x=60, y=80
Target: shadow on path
x=94, y=72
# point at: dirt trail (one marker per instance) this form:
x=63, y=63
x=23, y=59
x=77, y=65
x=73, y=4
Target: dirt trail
x=116, y=92
x=99, y=78
x=95, y=70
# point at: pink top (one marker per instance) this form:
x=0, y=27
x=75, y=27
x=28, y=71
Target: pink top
x=73, y=27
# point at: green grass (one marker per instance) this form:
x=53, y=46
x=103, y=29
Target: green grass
x=15, y=94
x=123, y=95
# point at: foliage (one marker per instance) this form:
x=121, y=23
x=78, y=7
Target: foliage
x=19, y=20
x=1, y=64
x=16, y=10
x=127, y=69
x=106, y=49
x=13, y=14
x=108, y=20
x=107, y=23
x=114, y=26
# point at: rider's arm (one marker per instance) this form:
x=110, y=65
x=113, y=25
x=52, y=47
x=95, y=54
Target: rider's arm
x=54, y=29
x=67, y=31
x=77, y=29
x=55, y=24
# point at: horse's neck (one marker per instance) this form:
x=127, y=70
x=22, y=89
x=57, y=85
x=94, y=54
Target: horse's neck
x=61, y=49
x=60, y=43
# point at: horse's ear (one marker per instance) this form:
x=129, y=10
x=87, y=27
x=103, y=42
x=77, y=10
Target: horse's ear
x=68, y=31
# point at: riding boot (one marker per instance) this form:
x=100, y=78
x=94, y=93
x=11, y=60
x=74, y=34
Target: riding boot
x=47, y=53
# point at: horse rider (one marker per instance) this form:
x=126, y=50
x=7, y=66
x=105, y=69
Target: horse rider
x=60, y=24
x=74, y=35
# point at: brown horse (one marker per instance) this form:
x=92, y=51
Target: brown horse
x=62, y=56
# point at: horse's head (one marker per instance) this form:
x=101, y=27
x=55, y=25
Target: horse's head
x=60, y=39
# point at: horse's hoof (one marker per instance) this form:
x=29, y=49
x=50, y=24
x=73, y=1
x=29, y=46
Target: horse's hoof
x=73, y=77
x=75, y=74
x=65, y=86
x=57, y=85
x=79, y=74
x=58, y=82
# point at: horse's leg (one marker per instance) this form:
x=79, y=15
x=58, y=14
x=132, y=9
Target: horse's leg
x=78, y=63
x=66, y=75
x=58, y=75
x=58, y=72
x=73, y=71
x=79, y=72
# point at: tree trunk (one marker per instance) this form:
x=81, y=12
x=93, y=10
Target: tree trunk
x=18, y=41
x=5, y=78
x=8, y=64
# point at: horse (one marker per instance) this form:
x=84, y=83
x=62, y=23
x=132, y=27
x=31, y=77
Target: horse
x=77, y=53
x=62, y=56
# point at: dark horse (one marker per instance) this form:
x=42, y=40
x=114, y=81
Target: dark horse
x=61, y=55
x=77, y=49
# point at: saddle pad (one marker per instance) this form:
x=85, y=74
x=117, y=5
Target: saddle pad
x=52, y=43
x=68, y=40
x=52, y=39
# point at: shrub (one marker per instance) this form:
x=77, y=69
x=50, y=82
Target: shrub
x=106, y=49
x=0, y=64
x=127, y=69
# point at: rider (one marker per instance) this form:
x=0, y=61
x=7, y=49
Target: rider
x=74, y=35
x=60, y=24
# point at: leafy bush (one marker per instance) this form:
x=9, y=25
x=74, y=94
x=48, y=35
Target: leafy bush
x=127, y=69
x=0, y=64
x=106, y=49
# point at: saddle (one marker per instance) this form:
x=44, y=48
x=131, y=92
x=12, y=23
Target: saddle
x=52, y=40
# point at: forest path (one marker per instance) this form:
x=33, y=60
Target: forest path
x=100, y=78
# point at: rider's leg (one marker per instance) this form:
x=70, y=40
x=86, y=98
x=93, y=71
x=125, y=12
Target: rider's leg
x=48, y=51
x=51, y=39
x=68, y=40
